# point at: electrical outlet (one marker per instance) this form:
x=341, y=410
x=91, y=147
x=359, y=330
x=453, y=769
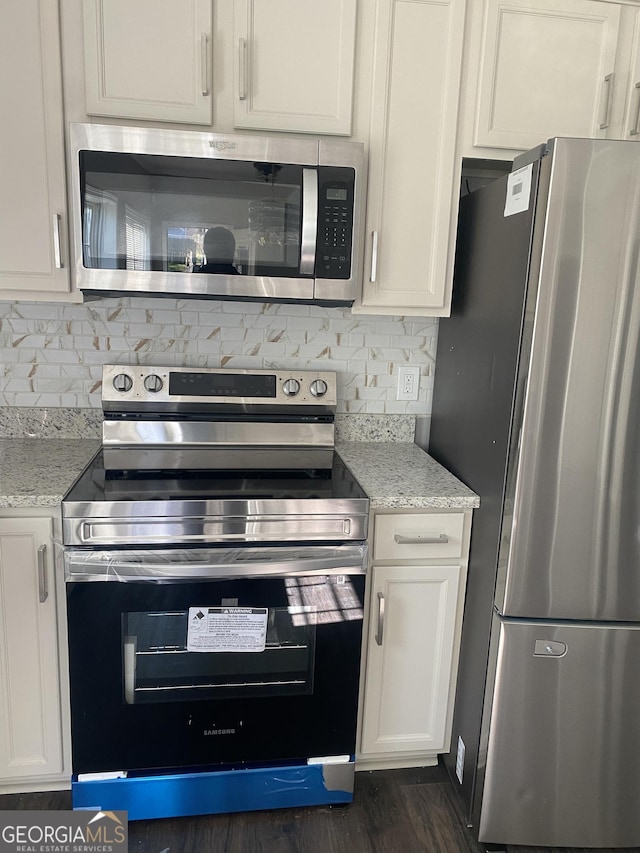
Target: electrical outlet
x=408, y=382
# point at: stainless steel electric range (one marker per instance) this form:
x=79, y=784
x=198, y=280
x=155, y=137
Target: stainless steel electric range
x=215, y=559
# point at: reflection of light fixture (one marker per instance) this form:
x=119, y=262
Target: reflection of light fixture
x=267, y=221
x=267, y=171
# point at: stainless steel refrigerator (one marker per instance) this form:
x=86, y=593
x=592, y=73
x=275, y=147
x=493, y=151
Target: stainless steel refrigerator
x=537, y=408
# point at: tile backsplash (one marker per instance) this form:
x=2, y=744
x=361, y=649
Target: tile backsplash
x=52, y=353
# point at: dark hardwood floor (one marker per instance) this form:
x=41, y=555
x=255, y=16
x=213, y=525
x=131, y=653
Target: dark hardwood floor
x=394, y=811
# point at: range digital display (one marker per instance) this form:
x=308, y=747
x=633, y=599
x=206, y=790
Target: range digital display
x=222, y=385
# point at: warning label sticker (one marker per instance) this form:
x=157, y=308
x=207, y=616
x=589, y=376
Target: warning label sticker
x=227, y=629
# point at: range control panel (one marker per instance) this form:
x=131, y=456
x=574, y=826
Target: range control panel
x=173, y=387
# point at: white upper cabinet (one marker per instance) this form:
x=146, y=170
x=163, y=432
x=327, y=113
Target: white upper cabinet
x=33, y=236
x=294, y=62
x=554, y=68
x=413, y=179
x=284, y=65
x=149, y=59
x=631, y=89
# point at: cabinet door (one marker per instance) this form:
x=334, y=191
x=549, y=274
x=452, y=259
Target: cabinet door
x=414, y=108
x=546, y=69
x=30, y=721
x=631, y=120
x=33, y=198
x=148, y=59
x=294, y=64
x=409, y=658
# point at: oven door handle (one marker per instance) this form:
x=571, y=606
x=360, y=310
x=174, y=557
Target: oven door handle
x=171, y=566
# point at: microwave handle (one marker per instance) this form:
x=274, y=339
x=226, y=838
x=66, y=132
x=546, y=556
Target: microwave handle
x=309, y=221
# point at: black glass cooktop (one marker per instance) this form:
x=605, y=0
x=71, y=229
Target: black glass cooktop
x=97, y=484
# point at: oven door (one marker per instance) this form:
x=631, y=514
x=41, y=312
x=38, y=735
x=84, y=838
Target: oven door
x=209, y=657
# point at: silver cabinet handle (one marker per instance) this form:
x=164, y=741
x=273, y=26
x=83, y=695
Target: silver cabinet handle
x=608, y=81
x=380, y=630
x=309, y=221
x=635, y=130
x=57, y=253
x=422, y=539
x=204, y=62
x=43, y=592
x=374, y=256
x=242, y=68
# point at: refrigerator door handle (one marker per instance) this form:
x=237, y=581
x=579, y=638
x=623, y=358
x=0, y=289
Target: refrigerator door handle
x=549, y=649
x=422, y=539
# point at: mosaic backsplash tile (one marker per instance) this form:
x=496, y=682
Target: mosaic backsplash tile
x=52, y=353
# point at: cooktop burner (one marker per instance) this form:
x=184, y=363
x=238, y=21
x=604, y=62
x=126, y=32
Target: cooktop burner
x=97, y=484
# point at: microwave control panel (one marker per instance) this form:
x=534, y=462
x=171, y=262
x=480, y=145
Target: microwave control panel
x=335, y=224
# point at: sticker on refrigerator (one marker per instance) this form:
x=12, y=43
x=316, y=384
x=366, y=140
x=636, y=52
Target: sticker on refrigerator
x=518, y=191
x=227, y=629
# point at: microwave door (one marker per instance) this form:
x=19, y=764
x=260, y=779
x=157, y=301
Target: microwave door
x=309, y=221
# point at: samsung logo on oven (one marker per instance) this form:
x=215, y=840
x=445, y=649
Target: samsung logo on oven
x=209, y=732
x=221, y=144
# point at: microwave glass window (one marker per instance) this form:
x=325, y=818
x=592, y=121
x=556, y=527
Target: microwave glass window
x=190, y=215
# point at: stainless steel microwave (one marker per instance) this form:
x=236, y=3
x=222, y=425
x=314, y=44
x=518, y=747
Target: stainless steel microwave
x=194, y=214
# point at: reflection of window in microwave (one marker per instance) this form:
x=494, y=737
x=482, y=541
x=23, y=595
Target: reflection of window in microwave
x=150, y=213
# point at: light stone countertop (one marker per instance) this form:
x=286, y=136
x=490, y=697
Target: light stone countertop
x=402, y=475
x=36, y=472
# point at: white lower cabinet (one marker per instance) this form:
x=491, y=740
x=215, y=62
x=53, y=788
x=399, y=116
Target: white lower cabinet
x=415, y=603
x=32, y=747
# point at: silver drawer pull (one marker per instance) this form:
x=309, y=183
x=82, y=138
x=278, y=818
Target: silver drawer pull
x=606, y=118
x=422, y=539
x=380, y=630
x=242, y=68
x=635, y=130
x=57, y=245
x=204, y=63
x=43, y=591
x=374, y=257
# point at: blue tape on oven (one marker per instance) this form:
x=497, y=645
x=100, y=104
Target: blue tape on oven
x=218, y=792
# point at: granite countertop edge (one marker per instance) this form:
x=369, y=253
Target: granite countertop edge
x=37, y=472
x=401, y=475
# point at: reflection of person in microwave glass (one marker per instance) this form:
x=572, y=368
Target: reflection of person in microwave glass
x=219, y=248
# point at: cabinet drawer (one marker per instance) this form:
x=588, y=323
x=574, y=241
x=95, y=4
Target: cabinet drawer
x=418, y=536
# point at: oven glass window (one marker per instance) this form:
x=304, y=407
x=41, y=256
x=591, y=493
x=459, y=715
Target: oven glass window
x=217, y=652
x=190, y=214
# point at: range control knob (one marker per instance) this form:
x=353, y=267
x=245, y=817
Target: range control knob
x=122, y=382
x=319, y=388
x=153, y=383
x=291, y=387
